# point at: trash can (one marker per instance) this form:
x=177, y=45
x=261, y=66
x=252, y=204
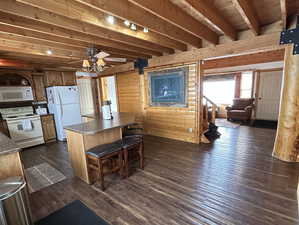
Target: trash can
x=14, y=204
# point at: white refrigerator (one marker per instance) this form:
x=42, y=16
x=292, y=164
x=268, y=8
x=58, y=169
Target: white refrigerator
x=64, y=103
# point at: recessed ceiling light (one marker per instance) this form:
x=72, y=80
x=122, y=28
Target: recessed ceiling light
x=145, y=30
x=49, y=52
x=133, y=26
x=127, y=23
x=110, y=19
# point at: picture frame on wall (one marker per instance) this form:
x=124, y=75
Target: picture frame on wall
x=168, y=88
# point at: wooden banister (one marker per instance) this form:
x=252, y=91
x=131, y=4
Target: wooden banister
x=206, y=109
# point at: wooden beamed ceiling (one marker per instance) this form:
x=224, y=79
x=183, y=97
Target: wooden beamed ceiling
x=248, y=14
x=284, y=13
x=68, y=27
x=37, y=29
x=214, y=17
x=79, y=17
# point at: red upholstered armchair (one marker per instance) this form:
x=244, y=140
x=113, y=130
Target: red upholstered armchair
x=241, y=109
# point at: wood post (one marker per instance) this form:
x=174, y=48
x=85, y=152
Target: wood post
x=238, y=85
x=286, y=146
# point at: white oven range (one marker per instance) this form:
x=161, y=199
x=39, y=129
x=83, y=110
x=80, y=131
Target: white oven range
x=24, y=127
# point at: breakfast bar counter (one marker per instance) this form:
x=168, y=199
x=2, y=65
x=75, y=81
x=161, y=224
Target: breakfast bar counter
x=10, y=161
x=84, y=136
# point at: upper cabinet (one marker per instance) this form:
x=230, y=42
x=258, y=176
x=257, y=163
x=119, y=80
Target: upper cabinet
x=69, y=78
x=53, y=78
x=39, y=87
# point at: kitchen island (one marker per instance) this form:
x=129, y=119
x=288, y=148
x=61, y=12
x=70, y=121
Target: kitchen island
x=10, y=161
x=84, y=136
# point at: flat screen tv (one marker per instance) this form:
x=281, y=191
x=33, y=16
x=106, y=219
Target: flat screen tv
x=168, y=87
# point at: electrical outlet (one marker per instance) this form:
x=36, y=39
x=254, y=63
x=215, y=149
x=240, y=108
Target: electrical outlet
x=190, y=130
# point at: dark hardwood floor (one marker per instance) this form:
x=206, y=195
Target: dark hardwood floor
x=232, y=181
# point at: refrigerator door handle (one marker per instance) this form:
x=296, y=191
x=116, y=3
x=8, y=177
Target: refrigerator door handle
x=61, y=108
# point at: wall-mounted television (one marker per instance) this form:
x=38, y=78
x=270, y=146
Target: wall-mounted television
x=168, y=87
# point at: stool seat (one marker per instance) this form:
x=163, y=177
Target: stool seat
x=132, y=140
x=102, y=150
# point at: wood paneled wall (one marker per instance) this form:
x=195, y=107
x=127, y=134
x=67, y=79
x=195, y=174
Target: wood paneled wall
x=169, y=122
x=130, y=94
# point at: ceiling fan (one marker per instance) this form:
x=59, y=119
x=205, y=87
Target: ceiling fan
x=98, y=60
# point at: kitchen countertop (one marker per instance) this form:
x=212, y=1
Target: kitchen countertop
x=93, y=116
x=7, y=146
x=99, y=124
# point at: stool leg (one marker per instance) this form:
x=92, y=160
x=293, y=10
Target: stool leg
x=101, y=174
x=120, y=163
x=126, y=162
x=141, y=155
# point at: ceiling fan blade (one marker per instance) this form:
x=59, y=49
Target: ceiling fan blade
x=101, y=55
x=110, y=59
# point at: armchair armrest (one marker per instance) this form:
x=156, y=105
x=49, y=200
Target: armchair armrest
x=228, y=108
x=247, y=108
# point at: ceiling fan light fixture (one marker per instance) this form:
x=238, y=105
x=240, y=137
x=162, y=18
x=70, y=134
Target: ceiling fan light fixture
x=127, y=23
x=86, y=63
x=145, y=30
x=101, y=62
x=110, y=19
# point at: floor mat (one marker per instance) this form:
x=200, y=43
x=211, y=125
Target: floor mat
x=41, y=176
x=75, y=213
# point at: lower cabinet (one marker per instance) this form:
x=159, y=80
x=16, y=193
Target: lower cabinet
x=4, y=128
x=48, y=126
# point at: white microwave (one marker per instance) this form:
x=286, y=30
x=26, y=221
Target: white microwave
x=16, y=94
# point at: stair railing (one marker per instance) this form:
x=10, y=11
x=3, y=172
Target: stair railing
x=209, y=104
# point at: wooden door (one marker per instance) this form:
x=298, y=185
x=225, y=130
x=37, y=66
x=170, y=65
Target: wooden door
x=49, y=130
x=269, y=95
x=69, y=78
x=87, y=96
x=39, y=88
x=53, y=78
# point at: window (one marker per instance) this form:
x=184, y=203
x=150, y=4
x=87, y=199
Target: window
x=220, y=91
x=246, y=85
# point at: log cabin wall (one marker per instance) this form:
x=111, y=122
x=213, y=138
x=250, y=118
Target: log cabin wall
x=171, y=122
x=130, y=94
x=168, y=122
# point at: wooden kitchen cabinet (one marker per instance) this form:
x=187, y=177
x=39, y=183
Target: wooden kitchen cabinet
x=4, y=128
x=69, y=78
x=48, y=126
x=53, y=78
x=39, y=87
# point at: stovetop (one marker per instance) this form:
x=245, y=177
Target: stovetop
x=18, y=113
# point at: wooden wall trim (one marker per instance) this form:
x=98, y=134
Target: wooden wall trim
x=263, y=43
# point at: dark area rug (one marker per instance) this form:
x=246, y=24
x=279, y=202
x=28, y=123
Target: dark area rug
x=265, y=124
x=75, y=213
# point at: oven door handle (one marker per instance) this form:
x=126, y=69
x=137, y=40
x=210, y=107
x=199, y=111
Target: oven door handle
x=61, y=108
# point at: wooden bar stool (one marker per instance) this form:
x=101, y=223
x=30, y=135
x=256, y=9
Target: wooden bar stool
x=101, y=155
x=130, y=144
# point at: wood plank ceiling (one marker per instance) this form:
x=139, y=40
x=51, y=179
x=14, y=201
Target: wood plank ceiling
x=29, y=28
